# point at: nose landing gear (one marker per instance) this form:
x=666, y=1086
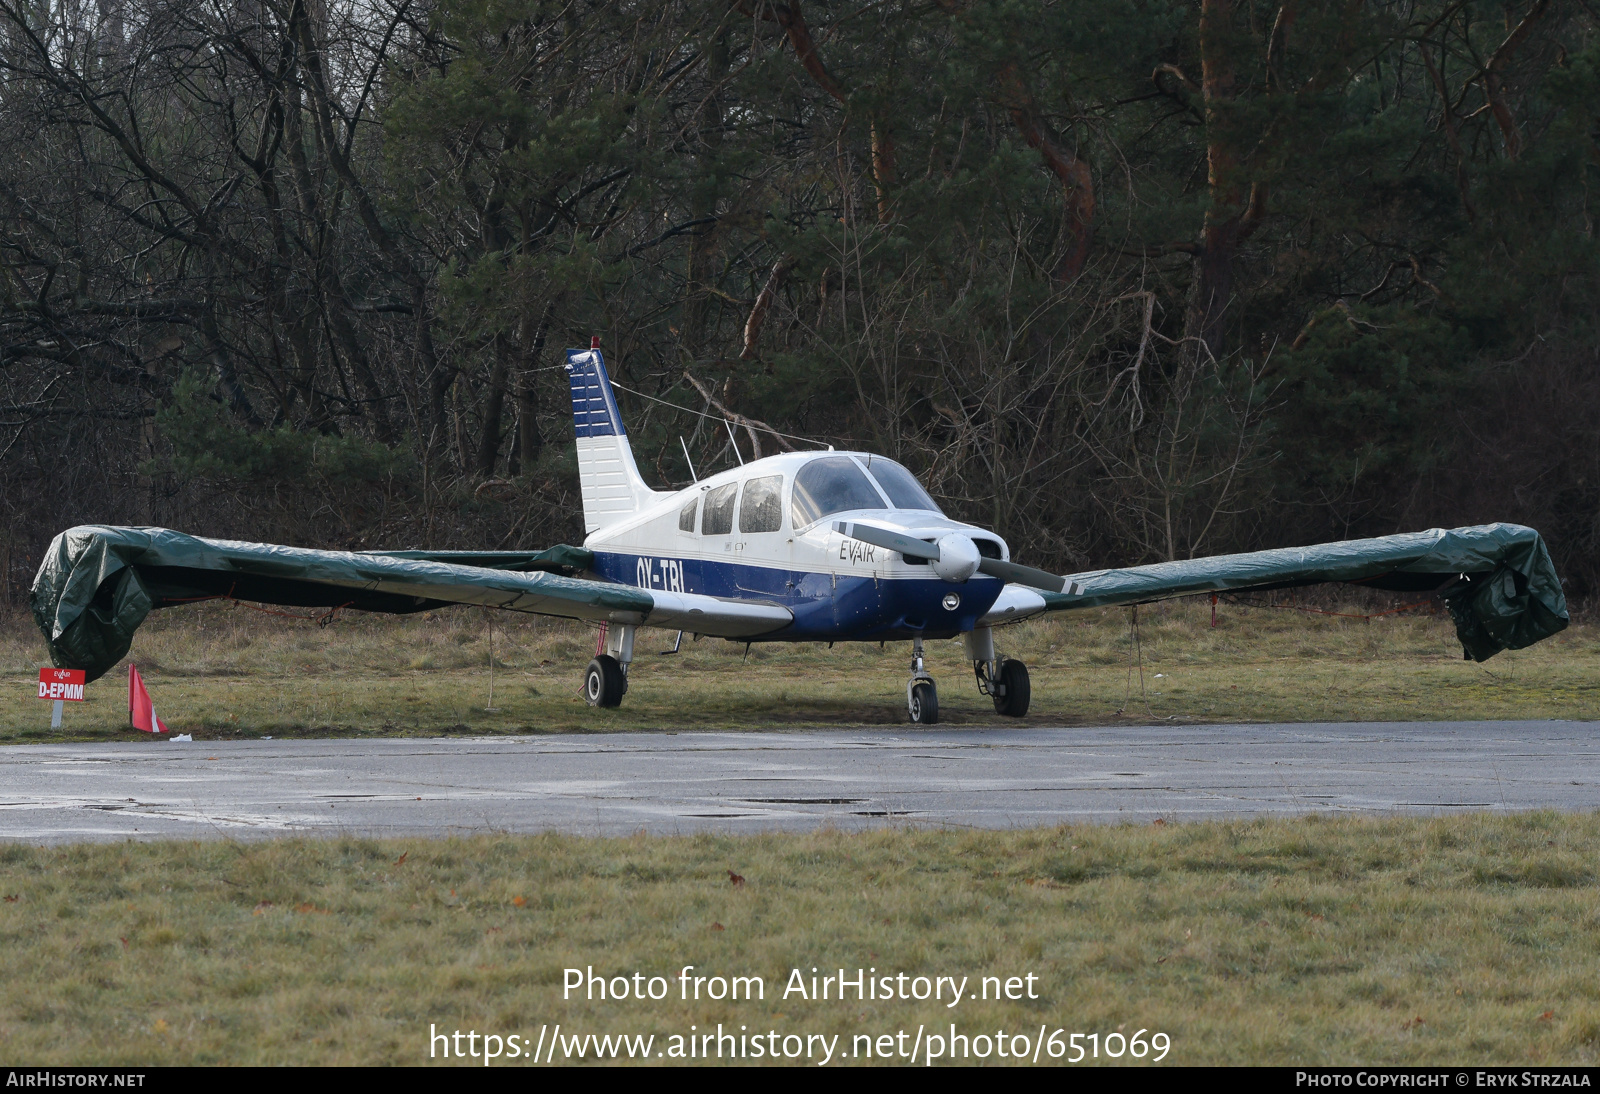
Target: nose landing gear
x=1004, y=681
x=922, y=696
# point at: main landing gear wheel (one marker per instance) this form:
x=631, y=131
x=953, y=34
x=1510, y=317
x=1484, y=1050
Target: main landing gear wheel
x=604, y=683
x=1013, y=694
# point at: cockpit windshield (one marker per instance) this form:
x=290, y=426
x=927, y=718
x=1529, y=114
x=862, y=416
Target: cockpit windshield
x=832, y=484
x=901, y=485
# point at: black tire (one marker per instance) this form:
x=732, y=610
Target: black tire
x=604, y=683
x=924, y=704
x=1015, y=693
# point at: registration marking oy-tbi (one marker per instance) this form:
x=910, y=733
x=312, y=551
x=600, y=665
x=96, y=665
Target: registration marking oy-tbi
x=62, y=685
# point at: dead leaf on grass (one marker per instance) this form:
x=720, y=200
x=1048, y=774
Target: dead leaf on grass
x=717, y=927
x=519, y=901
x=403, y=854
x=1547, y=1015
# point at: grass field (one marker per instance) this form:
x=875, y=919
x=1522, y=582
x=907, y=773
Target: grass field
x=1454, y=940
x=221, y=671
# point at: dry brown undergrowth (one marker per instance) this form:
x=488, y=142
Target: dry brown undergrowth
x=218, y=671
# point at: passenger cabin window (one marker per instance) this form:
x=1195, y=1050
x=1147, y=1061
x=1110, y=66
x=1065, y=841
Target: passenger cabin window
x=718, y=517
x=901, y=485
x=686, y=516
x=761, y=507
x=832, y=484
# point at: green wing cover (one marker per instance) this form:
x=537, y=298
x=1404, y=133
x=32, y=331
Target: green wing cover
x=1496, y=579
x=97, y=584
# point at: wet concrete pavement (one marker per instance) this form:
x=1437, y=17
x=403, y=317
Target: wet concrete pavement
x=672, y=782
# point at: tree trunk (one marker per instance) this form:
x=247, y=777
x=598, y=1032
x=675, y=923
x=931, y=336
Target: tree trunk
x=494, y=406
x=1077, y=182
x=1231, y=217
x=529, y=440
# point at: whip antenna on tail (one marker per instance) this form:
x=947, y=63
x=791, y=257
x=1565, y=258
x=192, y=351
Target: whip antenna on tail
x=612, y=487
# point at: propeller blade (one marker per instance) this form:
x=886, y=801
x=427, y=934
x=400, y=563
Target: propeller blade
x=918, y=548
x=1023, y=575
x=889, y=541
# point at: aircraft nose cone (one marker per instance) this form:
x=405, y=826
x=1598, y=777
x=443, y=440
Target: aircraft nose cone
x=958, y=558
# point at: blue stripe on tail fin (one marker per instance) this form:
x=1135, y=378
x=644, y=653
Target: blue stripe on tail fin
x=594, y=405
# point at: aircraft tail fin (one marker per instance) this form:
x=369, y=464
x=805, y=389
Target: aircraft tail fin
x=611, y=483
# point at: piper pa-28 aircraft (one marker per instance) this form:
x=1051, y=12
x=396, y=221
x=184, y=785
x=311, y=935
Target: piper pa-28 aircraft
x=819, y=546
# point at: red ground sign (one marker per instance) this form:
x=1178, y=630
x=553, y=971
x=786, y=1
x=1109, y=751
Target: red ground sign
x=61, y=684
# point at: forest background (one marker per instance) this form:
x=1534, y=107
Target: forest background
x=1126, y=280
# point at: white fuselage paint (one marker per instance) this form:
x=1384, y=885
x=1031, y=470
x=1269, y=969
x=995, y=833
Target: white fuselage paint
x=659, y=547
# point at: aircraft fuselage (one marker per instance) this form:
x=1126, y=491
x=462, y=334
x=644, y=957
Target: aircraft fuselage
x=839, y=588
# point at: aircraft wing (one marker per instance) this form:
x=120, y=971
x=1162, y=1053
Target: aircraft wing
x=1497, y=581
x=97, y=584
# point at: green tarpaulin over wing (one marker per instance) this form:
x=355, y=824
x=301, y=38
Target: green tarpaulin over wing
x=1496, y=579
x=97, y=584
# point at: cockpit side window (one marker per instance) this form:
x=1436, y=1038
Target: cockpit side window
x=686, y=515
x=831, y=484
x=901, y=485
x=718, y=517
x=761, y=506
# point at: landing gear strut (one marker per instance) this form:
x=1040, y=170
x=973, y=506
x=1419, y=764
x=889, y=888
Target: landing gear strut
x=605, y=682
x=1004, y=681
x=922, y=697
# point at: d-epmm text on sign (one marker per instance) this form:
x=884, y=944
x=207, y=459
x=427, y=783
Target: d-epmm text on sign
x=60, y=684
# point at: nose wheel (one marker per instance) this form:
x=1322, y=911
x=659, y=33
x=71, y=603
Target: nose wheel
x=922, y=696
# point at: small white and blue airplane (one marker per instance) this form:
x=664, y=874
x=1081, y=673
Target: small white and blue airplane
x=800, y=547
x=820, y=546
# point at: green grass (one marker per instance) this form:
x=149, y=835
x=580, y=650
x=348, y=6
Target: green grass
x=1334, y=941
x=220, y=671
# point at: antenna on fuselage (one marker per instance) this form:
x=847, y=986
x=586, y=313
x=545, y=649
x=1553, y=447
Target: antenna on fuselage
x=686, y=458
x=733, y=441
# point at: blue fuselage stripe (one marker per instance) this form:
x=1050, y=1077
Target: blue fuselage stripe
x=827, y=607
